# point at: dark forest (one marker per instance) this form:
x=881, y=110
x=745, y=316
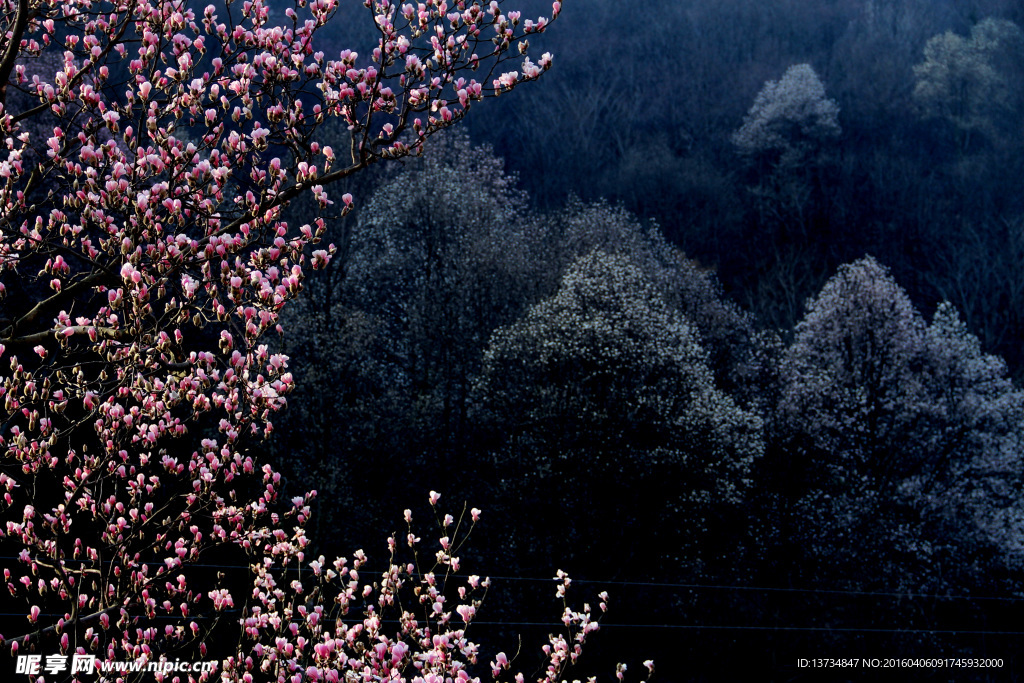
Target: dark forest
x=723, y=316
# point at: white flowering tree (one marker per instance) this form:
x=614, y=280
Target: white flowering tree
x=609, y=403
x=143, y=256
x=442, y=254
x=726, y=333
x=785, y=141
x=790, y=119
x=970, y=82
x=848, y=371
x=982, y=442
x=438, y=256
x=903, y=439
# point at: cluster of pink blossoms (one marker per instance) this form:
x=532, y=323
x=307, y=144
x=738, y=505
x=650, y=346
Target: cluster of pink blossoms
x=143, y=257
x=412, y=620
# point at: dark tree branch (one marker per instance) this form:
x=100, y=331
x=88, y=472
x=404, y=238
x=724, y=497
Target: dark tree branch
x=11, y=54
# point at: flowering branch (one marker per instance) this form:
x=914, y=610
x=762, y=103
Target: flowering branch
x=145, y=167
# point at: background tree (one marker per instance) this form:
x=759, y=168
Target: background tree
x=442, y=256
x=851, y=409
x=969, y=82
x=980, y=415
x=784, y=138
x=725, y=331
x=442, y=253
x=607, y=401
x=789, y=120
x=884, y=421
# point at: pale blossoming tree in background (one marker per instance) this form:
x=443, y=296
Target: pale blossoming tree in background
x=789, y=119
x=786, y=142
x=438, y=255
x=143, y=256
x=902, y=435
x=968, y=82
x=606, y=395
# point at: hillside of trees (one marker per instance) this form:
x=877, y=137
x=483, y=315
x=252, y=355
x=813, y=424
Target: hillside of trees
x=726, y=312
x=920, y=167
x=857, y=474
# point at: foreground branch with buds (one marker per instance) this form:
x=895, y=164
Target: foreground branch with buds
x=410, y=622
x=149, y=151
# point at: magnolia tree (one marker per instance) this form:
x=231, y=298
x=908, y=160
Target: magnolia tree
x=790, y=119
x=608, y=401
x=970, y=82
x=143, y=256
x=904, y=439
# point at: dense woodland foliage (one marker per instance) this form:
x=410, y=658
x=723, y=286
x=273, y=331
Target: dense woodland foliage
x=722, y=322
x=921, y=168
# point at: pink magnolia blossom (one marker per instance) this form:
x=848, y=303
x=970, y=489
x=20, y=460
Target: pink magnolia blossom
x=146, y=203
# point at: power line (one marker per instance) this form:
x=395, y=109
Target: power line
x=715, y=627
x=654, y=584
x=772, y=589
